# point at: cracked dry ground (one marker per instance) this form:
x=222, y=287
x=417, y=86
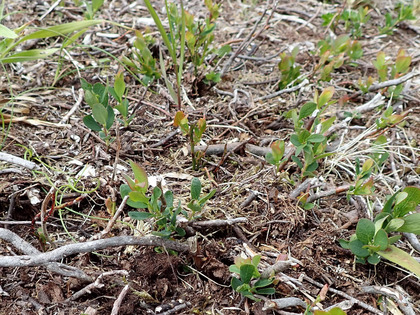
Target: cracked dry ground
x=246, y=185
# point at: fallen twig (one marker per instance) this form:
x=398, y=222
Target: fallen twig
x=36, y=259
x=118, y=301
x=397, y=296
x=18, y=161
x=217, y=223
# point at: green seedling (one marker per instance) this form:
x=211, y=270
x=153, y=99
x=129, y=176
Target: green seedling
x=92, y=7
x=354, y=20
x=334, y=53
x=373, y=240
x=160, y=206
x=193, y=132
x=364, y=182
x=141, y=60
x=388, y=70
x=404, y=13
x=276, y=156
x=309, y=140
x=389, y=119
x=249, y=281
x=289, y=72
x=174, y=43
x=103, y=117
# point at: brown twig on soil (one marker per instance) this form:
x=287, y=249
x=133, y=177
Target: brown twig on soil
x=327, y=193
x=118, y=301
x=86, y=247
x=166, y=139
x=345, y=295
x=288, y=90
x=18, y=161
x=217, y=223
x=74, y=108
x=28, y=249
x=97, y=284
x=278, y=304
x=400, y=298
x=219, y=149
x=279, y=266
x=414, y=241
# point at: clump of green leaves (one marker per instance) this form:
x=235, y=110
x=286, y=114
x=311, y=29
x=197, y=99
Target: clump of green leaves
x=309, y=140
x=354, y=20
x=103, y=117
x=364, y=182
x=160, y=206
x=289, y=72
x=193, y=132
x=405, y=12
x=388, y=70
x=249, y=281
x=334, y=53
x=374, y=240
x=141, y=60
x=92, y=7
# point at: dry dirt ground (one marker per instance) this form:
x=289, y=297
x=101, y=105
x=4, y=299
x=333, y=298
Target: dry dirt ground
x=161, y=280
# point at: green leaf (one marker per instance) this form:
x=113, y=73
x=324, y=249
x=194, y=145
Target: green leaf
x=394, y=225
x=356, y=247
x=265, y=291
x=262, y=283
x=204, y=199
x=140, y=176
x=365, y=230
x=195, y=188
x=344, y=243
x=393, y=239
x=29, y=55
x=90, y=97
x=91, y=123
x=246, y=272
x=408, y=204
x=381, y=239
x=119, y=85
x=374, y=259
x=7, y=32
x=325, y=96
x=307, y=110
x=100, y=113
x=61, y=29
x=138, y=196
x=137, y=215
x=315, y=138
x=411, y=224
x=401, y=258
x=235, y=282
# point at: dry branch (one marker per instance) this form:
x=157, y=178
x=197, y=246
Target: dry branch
x=87, y=247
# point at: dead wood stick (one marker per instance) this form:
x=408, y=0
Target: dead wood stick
x=40, y=259
x=327, y=193
x=219, y=149
x=400, y=298
x=217, y=223
x=17, y=160
x=28, y=249
x=118, y=301
x=345, y=295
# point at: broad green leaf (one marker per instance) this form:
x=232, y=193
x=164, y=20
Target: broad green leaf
x=344, y=243
x=91, y=98
x=315, y=138
x=100, y=113
x=137, y=215
x=401, y=258
x=119, y=85
x=411, y=224
x=393, y=239
x=138, y=196
x=381, y=239
x=262, y=283
x=374, y=259
x=140, y=175
x=325, y=125
x=265, y=291
x=294, y=139
x=7, y=32
x=91, y=123
x=365, y=230
x=357, y=249
x=235, y=282
x=169, y=198
x=246, y=272
x=307, y=110
x=367, y=165
x=255, y=261
x=269, y=157
x=195, y=188
x=110, y=117
x=278, y=149
x=408, y=204
x=204, y=199
x=325, y=96
x=394, y=225
x=61, y=29
x=28, y=55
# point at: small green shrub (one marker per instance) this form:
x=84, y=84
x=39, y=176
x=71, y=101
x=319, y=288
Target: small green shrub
x=247, y=270
x=160, y=206
x=289, y=72
x=373, y=240
x=404, y=13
